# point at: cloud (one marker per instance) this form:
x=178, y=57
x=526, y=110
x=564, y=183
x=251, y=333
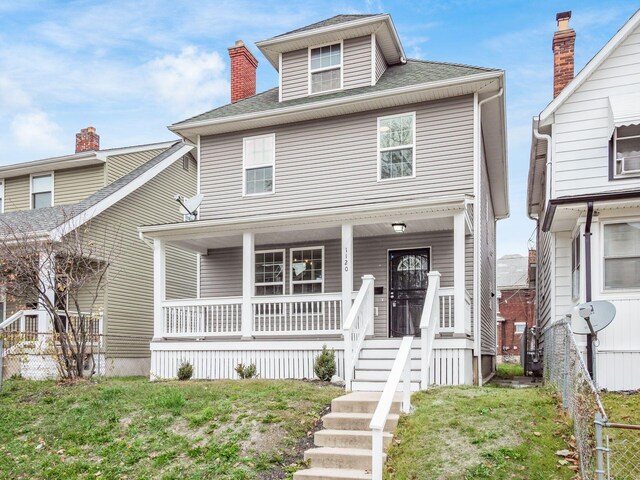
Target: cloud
x=190, y=81
x=37, y=133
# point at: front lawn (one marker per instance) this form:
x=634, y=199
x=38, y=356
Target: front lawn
x=474, y=433
x=133, y=429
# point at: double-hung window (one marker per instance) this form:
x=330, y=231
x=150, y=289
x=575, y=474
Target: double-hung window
x=325, y=68
x=519, y=327
x=626, y=150
x=269, y=272
x=396, y=146
x=307, y=270
x=622, y=255
x=575, y=267
x=259, y=156
x=41, y=191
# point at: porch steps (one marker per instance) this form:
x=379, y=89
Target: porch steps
x=343, y=448
x=375, y=363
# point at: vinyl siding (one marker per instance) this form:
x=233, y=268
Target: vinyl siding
x=119, y=165
x=581, y=136
x=544, y=274
x=333, y=162
x=381, y=63
x=221, y=269
x=75, y=184
x=357, y=62
x=487, y=266
x=295, y=74
x=129, y=307
x=16, y=193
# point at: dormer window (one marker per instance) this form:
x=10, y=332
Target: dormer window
x=41, y=191
x=325, y=68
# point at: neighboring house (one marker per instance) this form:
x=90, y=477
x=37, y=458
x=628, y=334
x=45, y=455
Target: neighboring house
x=329, y=199
x=113, y=191
x=516, y=303
x=584, y=193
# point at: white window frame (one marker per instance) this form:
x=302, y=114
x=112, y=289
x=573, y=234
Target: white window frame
x=41, y=174
x=614, y=291
x=2, y=195
x=615, y=157
x=284, y=271
x=333, y=67
x=576, y=237
x=293, y=282
x=272, y=165
x=380, y=150
x=516, y=325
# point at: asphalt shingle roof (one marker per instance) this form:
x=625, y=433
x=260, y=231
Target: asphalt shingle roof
x=46, y=219
x=414, y=72
x=328, y=22
x=512, y=272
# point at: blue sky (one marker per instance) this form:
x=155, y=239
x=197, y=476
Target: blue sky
x=130, y=68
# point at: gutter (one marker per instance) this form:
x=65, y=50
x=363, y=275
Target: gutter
x=587, y=272
x=547, y=138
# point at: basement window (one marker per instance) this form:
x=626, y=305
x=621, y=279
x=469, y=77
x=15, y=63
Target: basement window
x=325, y=68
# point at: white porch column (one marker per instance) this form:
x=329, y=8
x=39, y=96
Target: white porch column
x=47, y=280
x=347, y=269
x=248, y=278
x=159, y=286
x=459, y=233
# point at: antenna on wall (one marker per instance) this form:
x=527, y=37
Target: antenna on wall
x=189, y=206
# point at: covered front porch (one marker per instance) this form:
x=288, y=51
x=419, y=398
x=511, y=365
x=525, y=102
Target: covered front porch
x=293, y=285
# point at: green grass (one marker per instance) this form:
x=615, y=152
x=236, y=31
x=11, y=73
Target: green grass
x=509, y=370
x=477, y=433
x=130, y=428
x=622, y=408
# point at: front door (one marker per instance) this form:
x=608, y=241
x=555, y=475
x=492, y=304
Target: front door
x=408, y=282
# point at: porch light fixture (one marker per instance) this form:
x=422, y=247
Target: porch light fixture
x=399, y=227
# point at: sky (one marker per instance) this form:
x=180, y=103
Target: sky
x=130, y=68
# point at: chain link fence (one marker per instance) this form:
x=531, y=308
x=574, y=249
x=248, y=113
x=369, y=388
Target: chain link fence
x=38, y=356
x=607, y=451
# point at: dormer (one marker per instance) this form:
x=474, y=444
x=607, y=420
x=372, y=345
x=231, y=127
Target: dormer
x=340, y=53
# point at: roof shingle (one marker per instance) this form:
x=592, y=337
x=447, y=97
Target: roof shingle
x=328, y=22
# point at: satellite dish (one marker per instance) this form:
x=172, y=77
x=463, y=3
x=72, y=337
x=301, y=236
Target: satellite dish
x=188, y=206
x=599, y=313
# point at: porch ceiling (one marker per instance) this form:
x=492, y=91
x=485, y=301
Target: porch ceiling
x=567, y=216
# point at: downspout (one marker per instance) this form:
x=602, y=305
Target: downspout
x=587, y=272
x=477, y=311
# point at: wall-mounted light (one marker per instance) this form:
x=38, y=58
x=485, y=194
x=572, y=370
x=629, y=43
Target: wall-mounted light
x=399, y=227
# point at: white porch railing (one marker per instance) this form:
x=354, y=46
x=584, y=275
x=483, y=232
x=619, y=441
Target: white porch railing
x=202, y=317
x=446, y=302
x=297, y=314
x=358, y=324
x=401, y=371
x=430, y=319
x=21, y=321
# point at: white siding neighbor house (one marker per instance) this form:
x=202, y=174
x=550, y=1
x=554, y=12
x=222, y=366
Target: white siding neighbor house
x=584, y=193
x=351, y=206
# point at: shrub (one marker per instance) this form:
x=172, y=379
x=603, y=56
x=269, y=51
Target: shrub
x=185, y=371
x=249, y=371
x=325, y=364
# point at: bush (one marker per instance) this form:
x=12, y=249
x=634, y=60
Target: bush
x=185, y=371
x=249, y=371
x=325, y=364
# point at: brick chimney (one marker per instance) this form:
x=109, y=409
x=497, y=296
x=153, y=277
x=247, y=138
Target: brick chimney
x=564, y=40
x=243, y=72
x=87, y=140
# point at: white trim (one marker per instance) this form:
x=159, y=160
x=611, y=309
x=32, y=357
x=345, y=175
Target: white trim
x=104, y=154
x=198, y=157
x=615, y=173
x=516, y=325
x=272, y=164
x=118, y=195
x=477, y=347
x=284, y=272
x=159, y=285
x=292, y=282
x=373, y=59
x=380, y=150
x=280, y=77
x=594, y=63
x=310, y=71
x=2, y=184
x=31, y=192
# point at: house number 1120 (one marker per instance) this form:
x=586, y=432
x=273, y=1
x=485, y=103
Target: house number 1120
x=346, y=259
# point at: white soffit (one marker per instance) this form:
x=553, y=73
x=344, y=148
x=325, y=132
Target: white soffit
x=624, y=110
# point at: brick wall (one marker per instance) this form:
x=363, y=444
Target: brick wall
x=514, y=306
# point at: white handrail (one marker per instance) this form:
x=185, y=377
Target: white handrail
x=17, y=316
x=356, y=326
x=428, y=322
x=401, y=370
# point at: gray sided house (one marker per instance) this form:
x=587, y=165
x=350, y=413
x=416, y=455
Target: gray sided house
x=351, y=206
x=108, y=193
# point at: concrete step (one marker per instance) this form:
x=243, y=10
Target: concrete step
x=383, y=364
x=332, y=474
x=388, y=343
x=356, y=421
x=362, y=402
x=385, y=353
x=347, y=458
x=381, y=375
x=348, y=438
x=377, y=386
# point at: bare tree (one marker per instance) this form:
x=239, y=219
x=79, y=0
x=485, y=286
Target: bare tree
x=65, y=278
